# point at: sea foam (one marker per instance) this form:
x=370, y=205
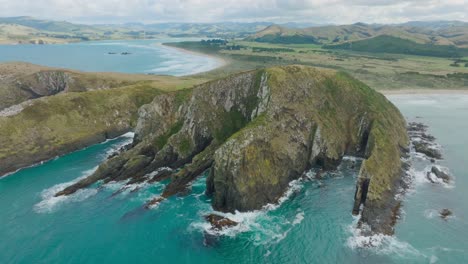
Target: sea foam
x=264, y=227
x=50, y=203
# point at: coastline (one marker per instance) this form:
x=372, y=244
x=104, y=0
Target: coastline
x=423, y=91
x=222, y=61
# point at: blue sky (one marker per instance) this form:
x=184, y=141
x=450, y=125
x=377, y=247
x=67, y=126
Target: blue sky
x=312, y=11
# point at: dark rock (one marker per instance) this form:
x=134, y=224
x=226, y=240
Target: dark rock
x=445, y=213
x=219, y=222
x=151, y=203
x=439, y=174
x=427, y=149
x=422, y=141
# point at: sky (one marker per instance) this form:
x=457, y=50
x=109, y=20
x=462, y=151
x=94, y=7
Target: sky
x=278, y=11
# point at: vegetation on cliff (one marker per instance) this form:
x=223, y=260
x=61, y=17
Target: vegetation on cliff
x=86, y=108
x=256, y=131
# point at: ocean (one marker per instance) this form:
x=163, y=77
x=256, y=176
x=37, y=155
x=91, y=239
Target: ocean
x=146, y=56
x=312, y=224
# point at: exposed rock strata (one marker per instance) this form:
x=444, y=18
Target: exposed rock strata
x=423, y=142
x=257, y=131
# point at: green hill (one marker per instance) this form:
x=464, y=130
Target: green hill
x=390, y=44
x=423, y=33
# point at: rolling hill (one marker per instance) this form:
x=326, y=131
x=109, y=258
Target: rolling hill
x=391, y=44
x=437, y=33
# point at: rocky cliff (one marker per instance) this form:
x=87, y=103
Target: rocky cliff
x=257, y=131
x=45, y=112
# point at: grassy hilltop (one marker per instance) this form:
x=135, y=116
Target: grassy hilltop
x=91, y=108
x=382, y=71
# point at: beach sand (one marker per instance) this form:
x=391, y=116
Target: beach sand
x=424, y=91
x=222, y=62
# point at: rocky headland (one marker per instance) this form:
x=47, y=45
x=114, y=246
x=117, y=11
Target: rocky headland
x=257, y=131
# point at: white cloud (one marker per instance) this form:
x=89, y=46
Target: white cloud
x=317, y=11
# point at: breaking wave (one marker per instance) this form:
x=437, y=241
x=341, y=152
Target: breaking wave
x=50, y=203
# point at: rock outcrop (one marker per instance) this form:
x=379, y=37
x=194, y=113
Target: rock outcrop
x=423, y=142
x=445, y=213
x=257, y=131
x=218, y=222
x=437, y=174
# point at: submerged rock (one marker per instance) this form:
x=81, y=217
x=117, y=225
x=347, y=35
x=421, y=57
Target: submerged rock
x=153, y=202
x=219, y=222
x=445, y=213
x=257, y=131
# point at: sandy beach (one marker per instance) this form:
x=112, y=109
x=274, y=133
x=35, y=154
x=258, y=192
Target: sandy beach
x=424, y=91
x=222, y=62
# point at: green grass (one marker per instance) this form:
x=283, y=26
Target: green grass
x=390, y=44
x=162, y=140
x=381, y=71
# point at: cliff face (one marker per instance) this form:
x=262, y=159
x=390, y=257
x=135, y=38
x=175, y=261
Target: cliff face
x=57, y=125
x=20, y=82
x=257, y=131
x=70, y=110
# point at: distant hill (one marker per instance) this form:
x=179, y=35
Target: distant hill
x=37, y=31
x=437, y=33
x=29, y=29
x=46, y=25
x=390, y=44
x=215, y=30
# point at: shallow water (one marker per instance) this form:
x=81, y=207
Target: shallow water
x=147, y=56
x=313, y=225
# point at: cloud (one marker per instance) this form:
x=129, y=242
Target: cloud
x=316, y=11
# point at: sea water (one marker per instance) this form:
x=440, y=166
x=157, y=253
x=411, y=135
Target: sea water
x=146, y=56
x=313, y=224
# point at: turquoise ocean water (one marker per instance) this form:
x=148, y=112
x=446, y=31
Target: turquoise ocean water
x=147, y=56
x=313, y=224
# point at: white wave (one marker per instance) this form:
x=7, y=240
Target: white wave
x=107, y=44
x=352, y=158
x=115, y=185
x=299, y=218
x=379, y=244
x=430, y=213
x=265, y=228
x=156, y=205
x=294, y=186
x=129, y=135
x=421, y=176
x=50, y=203
x=128, y=139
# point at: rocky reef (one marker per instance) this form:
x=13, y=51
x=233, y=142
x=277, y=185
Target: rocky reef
x=257, y=131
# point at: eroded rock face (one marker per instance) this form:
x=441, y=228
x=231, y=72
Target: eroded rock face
x=257, y=131
x=45, y=83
